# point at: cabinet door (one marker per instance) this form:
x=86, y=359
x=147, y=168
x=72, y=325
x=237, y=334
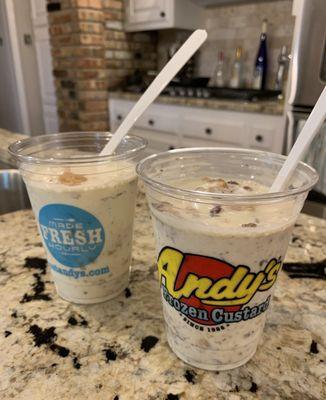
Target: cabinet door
x=188, y=142
x=142, y=11
x=218, y=126
x=266, y=132
x=157, y=141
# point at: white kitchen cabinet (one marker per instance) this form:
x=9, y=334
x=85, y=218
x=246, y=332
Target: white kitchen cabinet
x=144, y=15
x=171, y=126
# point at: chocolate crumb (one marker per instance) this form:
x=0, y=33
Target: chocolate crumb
x=254, y=387
x=116, y=397
x=215, y=210
x=171, y=396
x=128, y=326
x=7, y=333
x=60, y=350
x=248, y=188
x=36, y=263
x=279, y=348
x=233, y=183
x=190, y=375
x=148, y=343
x=14, y=314
x=99, y=386
x=110, y=355
x=249, y=225
x=75, y=363
x=54, y=365
x=313, y=348
x=127, y=292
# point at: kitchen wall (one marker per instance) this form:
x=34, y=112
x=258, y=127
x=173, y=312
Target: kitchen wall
x=239, y=25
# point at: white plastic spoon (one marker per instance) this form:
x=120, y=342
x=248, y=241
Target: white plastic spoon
x=179, y=59
x=309, y=131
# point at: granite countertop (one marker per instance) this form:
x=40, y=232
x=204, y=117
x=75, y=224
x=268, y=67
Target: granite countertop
x=6, y=138
x=273, y=107
x=50, y=348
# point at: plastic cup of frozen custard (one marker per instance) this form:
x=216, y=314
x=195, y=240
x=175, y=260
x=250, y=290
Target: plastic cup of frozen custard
x=84, y=205
x=221, y=240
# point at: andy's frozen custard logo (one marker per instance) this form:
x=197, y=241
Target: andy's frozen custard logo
x=211, y=291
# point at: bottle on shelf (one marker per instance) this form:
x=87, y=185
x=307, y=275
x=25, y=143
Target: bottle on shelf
x=218, y=78
x=260, y=69
x=236, y=80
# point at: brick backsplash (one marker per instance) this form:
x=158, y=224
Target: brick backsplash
x=238, y=25
x=91, y=55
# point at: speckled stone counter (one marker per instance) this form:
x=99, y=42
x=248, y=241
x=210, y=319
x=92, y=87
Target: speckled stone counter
x=50, y=349
x=273, y=107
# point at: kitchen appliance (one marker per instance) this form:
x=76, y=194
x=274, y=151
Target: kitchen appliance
x=307, y=78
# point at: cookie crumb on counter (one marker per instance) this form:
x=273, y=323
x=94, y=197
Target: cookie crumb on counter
x=148, y=343
x=71, y=179
x=42, y=336
x=75, y=363
x=7, y=333
x=110, y=355
x=190, y=376
x=313, y=347
x=38, y=289
x=36, y=263
x=171, y=396
x=253, y=387
x=60, y=350
x=73, y=321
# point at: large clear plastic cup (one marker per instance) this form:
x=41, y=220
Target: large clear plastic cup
x=219, y=254
x=84, y=204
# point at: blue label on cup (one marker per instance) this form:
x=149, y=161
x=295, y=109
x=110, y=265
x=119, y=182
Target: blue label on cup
x=73, y=236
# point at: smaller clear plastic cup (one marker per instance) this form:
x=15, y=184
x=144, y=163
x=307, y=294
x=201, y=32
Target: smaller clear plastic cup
x=219, y=254
x=84, y=204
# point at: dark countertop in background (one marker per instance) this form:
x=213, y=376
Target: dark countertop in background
x=273, y=107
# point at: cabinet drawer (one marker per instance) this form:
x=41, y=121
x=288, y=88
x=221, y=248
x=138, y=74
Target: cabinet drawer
x=191, y=142
x=158, y=121
x=224, y=132
x=158, y=141
x=261, y=138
